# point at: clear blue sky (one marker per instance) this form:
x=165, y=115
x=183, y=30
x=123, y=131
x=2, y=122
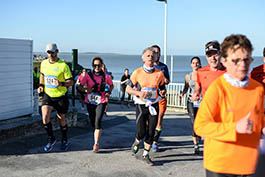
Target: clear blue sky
x=128, y=26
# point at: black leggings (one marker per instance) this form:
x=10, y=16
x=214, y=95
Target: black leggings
x=192, y=113
x=95, y=114
x=213, y=174
x=146, y=123
x=123, y=94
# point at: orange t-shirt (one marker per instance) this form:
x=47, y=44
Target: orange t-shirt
x=225, y=150
x=148, y=82
x=205, y=77
x=258, y=73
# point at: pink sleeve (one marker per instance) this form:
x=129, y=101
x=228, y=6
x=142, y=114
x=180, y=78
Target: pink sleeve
x=108, y=80
x=83, y=81
x=79, y=78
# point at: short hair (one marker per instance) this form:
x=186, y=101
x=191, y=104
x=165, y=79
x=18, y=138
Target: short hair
x=97, y=58
x=156, y=46
x=126, y=69
x=234, y=42
x=148, y=49
x=264, y=52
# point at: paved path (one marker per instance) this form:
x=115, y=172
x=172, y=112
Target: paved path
x=25, y=157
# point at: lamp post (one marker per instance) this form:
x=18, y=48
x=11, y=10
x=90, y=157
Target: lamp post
x=165, y=32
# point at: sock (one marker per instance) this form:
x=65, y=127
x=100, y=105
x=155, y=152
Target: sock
x=136, y=141
x=157, y=134
x=146, y=152
x=48, y=128
x=64, y=132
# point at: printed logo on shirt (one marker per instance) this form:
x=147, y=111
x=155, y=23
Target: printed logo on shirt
x=55, y=69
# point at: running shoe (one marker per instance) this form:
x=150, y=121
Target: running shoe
x=146, y=159
x=135, y=148
x=95, y=148
x=64, y=145
x=155, y=148
x=49, y=146
x=196, y=149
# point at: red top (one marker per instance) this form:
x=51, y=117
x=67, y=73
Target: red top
x=205, y=77
x=258, y=73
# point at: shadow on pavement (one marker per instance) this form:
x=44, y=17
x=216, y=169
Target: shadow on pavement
x=22, y=146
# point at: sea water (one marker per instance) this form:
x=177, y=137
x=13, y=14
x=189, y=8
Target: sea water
x=116, y=63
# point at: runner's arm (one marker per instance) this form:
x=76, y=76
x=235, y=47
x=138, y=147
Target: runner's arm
x=131, y=91
x=186, y=87
x=68, y=83
x=166, y=74
x=41, y=81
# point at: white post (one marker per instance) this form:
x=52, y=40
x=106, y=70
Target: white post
x=171, y=70
x=165, y=34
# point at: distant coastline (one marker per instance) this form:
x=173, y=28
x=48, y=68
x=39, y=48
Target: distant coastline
x=113, y=54
x=85, y=53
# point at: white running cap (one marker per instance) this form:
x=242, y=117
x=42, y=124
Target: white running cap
x=51, y=47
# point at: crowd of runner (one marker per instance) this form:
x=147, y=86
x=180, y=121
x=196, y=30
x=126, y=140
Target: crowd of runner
x=225, y=103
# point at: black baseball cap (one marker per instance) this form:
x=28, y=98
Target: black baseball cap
x=212, y=45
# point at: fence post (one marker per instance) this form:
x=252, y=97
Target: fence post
x=74, y=67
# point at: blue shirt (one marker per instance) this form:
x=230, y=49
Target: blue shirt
x=162, y=67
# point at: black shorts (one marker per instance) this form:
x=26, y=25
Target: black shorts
x=60, y=104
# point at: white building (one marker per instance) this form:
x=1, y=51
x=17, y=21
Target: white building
x=16, y=78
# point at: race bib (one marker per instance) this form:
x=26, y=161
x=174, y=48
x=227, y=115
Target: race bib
x=196, y=104
x=50, y=81
x=94, y=98
x=151, y=94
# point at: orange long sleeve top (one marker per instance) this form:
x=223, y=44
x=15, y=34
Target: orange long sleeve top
x=225, y=150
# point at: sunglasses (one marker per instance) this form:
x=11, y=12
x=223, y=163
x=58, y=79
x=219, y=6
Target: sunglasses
x=97, y=65
x=50, y=52
x=246, y=60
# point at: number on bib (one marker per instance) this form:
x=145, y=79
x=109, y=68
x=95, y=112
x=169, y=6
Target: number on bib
x=50, y=81
x=94, y=98
x=151, y=94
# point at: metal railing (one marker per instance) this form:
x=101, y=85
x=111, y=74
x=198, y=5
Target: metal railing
x=173, y=91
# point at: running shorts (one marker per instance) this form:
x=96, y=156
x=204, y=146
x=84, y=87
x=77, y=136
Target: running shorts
x=60, y=104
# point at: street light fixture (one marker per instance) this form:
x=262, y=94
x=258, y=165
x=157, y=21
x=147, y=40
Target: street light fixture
x=165, y=32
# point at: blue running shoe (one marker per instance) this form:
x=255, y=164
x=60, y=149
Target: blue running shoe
x=135, y=148
x=155, y=148
x=64, y=145
x=146, y=159
x=49, y=146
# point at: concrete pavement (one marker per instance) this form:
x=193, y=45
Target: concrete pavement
x=24, y=157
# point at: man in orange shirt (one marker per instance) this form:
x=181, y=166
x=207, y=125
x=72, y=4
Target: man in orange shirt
x=148, y=82
x=258, y=73
x=209, y=73
x=231, y=115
